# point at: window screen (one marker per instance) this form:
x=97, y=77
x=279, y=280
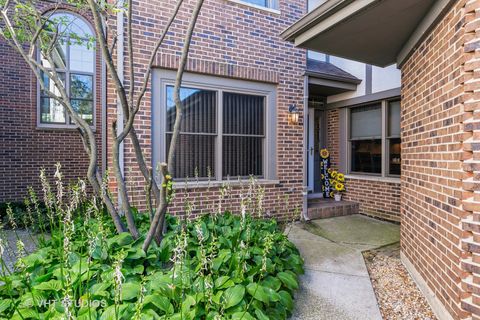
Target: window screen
x=195, y=152
x=243, y=128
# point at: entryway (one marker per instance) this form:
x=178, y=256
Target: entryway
x=315, y=142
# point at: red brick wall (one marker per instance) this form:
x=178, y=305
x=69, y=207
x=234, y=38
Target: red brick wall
x=235, y=41
x=333, y=137
x=470, y=181
x=434, y=109
x=24, y=148
x=377, y=198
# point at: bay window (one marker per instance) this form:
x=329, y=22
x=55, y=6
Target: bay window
x=374, y=142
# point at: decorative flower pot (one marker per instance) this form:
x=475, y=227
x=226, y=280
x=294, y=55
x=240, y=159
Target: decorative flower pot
x=338, y=197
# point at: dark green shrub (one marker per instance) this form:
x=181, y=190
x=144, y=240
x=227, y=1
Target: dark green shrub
x=215, y=267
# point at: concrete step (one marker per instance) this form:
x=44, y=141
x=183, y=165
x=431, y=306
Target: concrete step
x=328, y=208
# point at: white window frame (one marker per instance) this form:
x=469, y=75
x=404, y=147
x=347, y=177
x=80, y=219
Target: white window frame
x=385, y=146
x=162, y=78
x=273, y=6
x=67, y=72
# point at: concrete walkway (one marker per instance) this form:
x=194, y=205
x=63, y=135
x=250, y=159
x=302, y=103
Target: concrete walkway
x=336, y=284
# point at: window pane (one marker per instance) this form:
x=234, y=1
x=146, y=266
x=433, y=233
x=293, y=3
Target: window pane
x=81, y=57
x=70, y=25
x=243, y=114
x=242, y=156
x=199, y=110
x=84, y=109
x=366, y=122
x=81, y=86
x=51, y=111
x=264, y=3
x=193, y=153
x=395, y=156
x=394, y=118
x=50, y=85
x=367, y=156
x=59, y=56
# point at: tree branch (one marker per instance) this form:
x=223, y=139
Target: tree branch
x=156, y=228
x=88, y=136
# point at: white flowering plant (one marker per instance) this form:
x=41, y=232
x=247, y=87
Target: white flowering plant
x=216, y=266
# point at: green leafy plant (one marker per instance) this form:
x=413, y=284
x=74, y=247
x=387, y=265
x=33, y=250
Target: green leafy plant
x=218, y=266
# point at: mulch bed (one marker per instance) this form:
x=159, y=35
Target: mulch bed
x=397, y=294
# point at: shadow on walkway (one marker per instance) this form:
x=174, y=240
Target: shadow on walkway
x=336, y=284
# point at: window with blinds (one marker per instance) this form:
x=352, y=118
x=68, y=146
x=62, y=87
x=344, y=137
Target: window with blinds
x=366, y=139
x=375, y=142
x=220, y=131
x=243, y=135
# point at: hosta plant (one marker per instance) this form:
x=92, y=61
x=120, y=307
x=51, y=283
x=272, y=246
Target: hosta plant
x=218, y=266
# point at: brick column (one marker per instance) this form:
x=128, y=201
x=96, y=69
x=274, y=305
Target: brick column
x=470, y=263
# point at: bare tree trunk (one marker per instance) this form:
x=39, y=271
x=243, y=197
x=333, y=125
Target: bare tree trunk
x=149, y=178
x=87, y=135
x=156, y=228
x=129, y=102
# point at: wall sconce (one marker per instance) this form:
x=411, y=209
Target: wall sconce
x=293, y=114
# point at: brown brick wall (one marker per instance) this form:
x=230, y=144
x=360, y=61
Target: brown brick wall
x=471, y=165
x=377, y=198
x=24, y=148
x=234, y=41
x=333, y=136
x=433, y=111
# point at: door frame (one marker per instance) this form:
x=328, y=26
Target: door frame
x=310, y=155
x=315, y=110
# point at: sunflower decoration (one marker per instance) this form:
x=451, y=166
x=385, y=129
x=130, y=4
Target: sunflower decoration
x=337, y=181
x=339, y=187
x=324, y=153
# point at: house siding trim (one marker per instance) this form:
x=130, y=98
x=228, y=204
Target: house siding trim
x=424, y=27
x=368, y=98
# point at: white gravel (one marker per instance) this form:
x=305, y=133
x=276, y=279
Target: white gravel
x=397, y=294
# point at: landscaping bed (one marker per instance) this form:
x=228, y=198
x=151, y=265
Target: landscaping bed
x=397, y=294
x=215, y=267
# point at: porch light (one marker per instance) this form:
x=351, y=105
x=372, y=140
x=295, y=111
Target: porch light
x=293, y=114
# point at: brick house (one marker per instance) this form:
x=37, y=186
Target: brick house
x=237, y=63
x=435, y=44
x=239, y=70
x=244, y=83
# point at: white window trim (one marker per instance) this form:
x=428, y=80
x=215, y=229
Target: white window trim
x=256, y=6
x=161, y=78
x=384, y=175
x=67, y=124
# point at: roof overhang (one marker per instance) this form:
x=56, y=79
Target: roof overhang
x=326, y=79
x=319, y=86
x=377, y=32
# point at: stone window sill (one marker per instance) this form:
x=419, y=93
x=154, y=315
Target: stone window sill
x=373, y=178
x=216, y=184
x=248, y=4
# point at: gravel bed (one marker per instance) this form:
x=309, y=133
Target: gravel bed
x=397, y=294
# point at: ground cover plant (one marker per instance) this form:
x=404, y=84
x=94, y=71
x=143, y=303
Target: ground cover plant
x=217, y=266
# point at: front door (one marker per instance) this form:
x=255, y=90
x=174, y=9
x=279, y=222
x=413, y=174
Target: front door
x=314, y=144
